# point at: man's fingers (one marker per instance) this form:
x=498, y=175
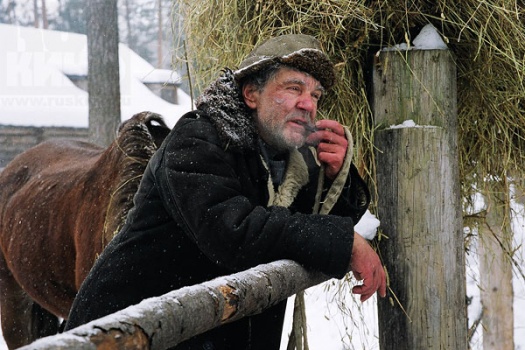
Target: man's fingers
x=332, y=153
x=365, y=292
x=331, y=148
x=330, y=159
x=332, y=125
x=376, y=281
x=331, y=137
x=367, y=287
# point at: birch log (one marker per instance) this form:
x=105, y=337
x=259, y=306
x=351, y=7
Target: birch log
x=165, y=321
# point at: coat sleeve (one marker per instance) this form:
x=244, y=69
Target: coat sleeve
x=203, y=189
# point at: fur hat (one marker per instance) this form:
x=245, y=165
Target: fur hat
x=299, y=51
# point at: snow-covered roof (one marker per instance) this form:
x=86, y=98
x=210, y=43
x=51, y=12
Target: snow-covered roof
x=160, y=76
x=35, y=89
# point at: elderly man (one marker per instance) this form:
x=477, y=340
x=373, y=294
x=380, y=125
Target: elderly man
x=247, y=178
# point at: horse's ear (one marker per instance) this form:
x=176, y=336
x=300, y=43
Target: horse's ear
x=158, y=133
x=156, y=127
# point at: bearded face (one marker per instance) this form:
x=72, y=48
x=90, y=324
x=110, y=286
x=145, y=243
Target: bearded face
x=284, y=107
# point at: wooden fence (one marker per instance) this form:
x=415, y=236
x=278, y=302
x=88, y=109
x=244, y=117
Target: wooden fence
x=16, y=139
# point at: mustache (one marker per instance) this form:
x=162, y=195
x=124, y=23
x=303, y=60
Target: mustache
x=310, y=128
x=299, y=117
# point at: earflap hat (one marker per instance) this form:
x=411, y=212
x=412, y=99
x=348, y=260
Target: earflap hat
x=299, y=51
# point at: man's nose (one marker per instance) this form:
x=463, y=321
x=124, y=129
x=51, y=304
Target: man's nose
x=307, y=103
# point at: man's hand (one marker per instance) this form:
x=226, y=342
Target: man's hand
x=331, y=145
x=367, y=267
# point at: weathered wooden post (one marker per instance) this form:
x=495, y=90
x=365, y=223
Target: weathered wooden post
x=495, y=267
x=419, y=201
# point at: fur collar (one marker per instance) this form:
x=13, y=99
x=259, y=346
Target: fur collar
x=223, y=104
x=296, y=176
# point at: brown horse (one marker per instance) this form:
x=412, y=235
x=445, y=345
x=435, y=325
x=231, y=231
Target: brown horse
x=60, y=204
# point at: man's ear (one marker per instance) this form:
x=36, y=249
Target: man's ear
x=250, y=95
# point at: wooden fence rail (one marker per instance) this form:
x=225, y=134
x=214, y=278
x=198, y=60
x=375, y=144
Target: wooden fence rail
x=165, y=321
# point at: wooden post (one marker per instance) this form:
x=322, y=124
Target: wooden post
x=419, y=201
x=495, y=267
x=165, y=321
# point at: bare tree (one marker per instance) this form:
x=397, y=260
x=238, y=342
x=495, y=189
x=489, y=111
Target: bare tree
x=127, y=16
x=159, y=36
x=103, y=70
x=45, y=24
x=35, y=10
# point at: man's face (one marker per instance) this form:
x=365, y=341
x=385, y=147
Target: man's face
x=287, y=102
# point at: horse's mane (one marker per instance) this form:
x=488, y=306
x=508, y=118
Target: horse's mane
x=138, y=138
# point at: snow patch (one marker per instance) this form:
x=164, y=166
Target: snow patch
x=427, y=39
x=410, y=124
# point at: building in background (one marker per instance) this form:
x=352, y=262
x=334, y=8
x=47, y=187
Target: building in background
x=43, y=88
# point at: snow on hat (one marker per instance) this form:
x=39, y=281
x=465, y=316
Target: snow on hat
x=299, y=51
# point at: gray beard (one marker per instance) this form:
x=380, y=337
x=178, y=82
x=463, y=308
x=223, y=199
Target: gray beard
x=275, y=138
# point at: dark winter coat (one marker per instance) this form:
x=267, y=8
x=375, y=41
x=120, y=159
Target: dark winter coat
x=206, y=207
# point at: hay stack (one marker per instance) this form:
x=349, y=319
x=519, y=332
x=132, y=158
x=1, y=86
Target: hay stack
x=486, y=37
